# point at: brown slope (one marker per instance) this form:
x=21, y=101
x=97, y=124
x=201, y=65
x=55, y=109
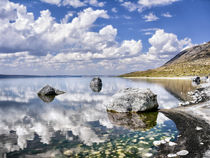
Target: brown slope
x=191, y=54
x=190, y=62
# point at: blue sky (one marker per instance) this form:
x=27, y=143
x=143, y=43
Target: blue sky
x=56, y=37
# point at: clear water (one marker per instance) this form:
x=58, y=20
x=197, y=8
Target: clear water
x=76, y=123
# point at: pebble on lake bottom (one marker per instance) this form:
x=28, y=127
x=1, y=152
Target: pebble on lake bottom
x=68, y=152
x=148, y=154
x=182, y=152
x=171, y=155
x=156, y=143
x=172, y=144
x=198, y=128
x=168, y=139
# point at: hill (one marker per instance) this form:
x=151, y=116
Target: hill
x=189, y=62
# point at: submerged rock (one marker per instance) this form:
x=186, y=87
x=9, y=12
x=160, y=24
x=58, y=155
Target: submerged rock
x=96, y=84
x=134, y=121
x=133, y=100
x=48, y=90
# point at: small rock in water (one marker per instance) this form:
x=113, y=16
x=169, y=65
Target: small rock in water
x=182, y=152
x=197, y=80
x=48, y=90
x=96, y=84
x=133, y=100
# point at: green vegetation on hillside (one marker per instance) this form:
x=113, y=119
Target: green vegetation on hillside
x=175, y=70
x=194, y=61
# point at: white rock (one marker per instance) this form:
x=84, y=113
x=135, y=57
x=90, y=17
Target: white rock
x=172, y=144
x=148, y=154
x=156, y=143
x=182, y=152
x=168, y=139
x=133, y=99
x=163, y=141
x=198, y=128
x=172, y=155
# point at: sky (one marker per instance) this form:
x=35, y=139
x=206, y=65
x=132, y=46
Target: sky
x=97, y=37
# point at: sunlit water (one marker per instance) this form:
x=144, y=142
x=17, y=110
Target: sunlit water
x=77, y=124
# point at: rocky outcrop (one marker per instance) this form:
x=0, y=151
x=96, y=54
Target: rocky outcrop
x=133, y=100
x=48, y=90
x=96, y=84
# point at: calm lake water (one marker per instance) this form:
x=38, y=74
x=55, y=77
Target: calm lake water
x=76, y=124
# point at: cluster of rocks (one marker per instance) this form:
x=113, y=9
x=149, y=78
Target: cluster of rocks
x=200, y=94
x=197, y=96
x=197, y=80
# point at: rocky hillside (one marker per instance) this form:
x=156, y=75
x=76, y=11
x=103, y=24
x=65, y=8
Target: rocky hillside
x=190, y=62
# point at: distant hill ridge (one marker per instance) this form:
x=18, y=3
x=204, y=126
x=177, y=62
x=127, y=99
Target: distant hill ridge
x=189, y=62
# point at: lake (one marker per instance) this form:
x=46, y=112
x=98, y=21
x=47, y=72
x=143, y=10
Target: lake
x=76, y=124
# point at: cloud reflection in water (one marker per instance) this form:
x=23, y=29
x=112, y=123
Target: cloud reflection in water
x=23, y=112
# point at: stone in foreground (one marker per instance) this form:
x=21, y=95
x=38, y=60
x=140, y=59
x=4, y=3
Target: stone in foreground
x=133, y=100
x=96, y=84
x=48, y=90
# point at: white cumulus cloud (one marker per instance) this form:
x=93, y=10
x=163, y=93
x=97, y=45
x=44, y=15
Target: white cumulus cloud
x=56, y=2
x=45, y=46
x=144, y=4
x=75, y=3
x=167, y=15
x=166, y=45
x=150, y=17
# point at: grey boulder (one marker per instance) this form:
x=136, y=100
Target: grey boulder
x=48, y=90
x=133, y=100
x=96, y=84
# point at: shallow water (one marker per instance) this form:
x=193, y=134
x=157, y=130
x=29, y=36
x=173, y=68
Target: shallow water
x=77, y=124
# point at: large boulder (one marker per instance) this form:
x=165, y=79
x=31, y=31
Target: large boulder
x=48, y=90
x=133, y=100
x=96, y=84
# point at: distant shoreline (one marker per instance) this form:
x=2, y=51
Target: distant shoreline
x=171, y=78
x=3, y=76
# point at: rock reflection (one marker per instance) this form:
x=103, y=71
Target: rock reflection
x=96, y=89
x=35, y=125
x=47, y=98
x=194, y=135
x=134, y=121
